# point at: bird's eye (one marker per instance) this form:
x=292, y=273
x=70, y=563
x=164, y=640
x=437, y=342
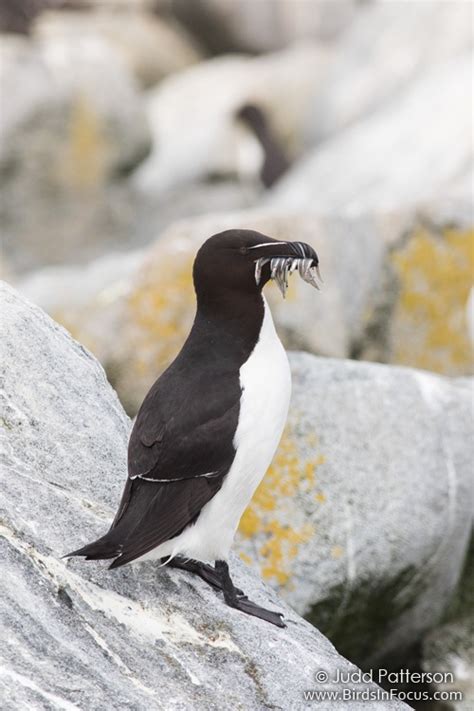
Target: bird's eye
x=243, y=250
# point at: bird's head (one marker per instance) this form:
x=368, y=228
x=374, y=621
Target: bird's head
x=245, y=260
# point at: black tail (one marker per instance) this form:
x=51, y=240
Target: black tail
x=129, y=515
x=103, y=549
x=110, y=545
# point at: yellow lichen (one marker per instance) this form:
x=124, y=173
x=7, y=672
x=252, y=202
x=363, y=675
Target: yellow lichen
x=83, y=163
x=159, y=312
x=246, y=558
x=288, y=475
x=436, y=273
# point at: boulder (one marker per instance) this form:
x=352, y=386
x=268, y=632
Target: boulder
x=395, y=290
x=150, y=46
x=431, y=267
x=265, y=25
x=448, y=652
x=193, y=115
x=199, y=197
x=87, y=300
x=78, y=635
x=383, y=51
x=410, y=150
x=72, y=125
x=363, y=520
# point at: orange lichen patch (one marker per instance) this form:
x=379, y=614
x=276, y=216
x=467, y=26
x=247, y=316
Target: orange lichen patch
x=267, y=513
x=283, y=544
x=337, y=551
x=83, y=164
x=320, y=498
x=160, y=309
x=246, y=558
x=311, y=439
x=429, y=328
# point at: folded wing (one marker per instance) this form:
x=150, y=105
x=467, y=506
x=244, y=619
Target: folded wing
x=180, y=450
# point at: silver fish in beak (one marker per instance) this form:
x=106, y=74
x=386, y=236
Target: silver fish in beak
x=282, y=267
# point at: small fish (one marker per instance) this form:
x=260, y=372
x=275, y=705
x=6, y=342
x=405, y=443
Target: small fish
x=282, y=267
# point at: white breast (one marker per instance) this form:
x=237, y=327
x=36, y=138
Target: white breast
x=266, y=388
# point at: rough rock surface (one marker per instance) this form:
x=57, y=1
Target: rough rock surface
x=73, y=123
x=364, y=517
x=389, y=281
x=411, y=149
x=78, y=636
x=449, y=648
x=87, y=300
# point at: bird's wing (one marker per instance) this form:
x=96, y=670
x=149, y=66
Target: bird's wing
x=180, y=450
x=158, y=512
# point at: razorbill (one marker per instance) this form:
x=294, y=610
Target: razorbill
x=209, y=427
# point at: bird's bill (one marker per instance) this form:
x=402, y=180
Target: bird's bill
x=288, y=257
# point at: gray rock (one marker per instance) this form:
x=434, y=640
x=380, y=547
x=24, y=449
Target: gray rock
x=264, y=25
x=363, y=521
x=150, y=46
x=413, y=148
x=72, y=125
x=384, y=50
x=449, y=649
x=77, y=636
x=87, y=300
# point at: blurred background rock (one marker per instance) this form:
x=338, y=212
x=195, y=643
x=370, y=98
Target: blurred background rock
x=133, y=130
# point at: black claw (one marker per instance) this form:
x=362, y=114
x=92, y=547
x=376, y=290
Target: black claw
x=235, y=598
x=250, y=608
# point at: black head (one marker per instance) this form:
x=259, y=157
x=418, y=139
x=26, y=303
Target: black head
x=243, y=261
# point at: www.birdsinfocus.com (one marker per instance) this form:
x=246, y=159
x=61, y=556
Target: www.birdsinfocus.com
x=209, y=427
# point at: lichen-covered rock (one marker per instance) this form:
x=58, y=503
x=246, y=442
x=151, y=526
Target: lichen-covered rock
x=363, y=520
x=76, y=635
x=155, y=304
x=433, y=268
x=151, y=47
x=395, y=290
x=422, y=314
x=73, y=123
x=409, y=150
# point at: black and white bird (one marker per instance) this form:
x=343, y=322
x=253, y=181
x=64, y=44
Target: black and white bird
x=209, y=427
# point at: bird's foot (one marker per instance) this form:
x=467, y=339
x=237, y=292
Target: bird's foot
x=206, y=572
x=234, y=597
x=243, y=604
x=219, y=578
